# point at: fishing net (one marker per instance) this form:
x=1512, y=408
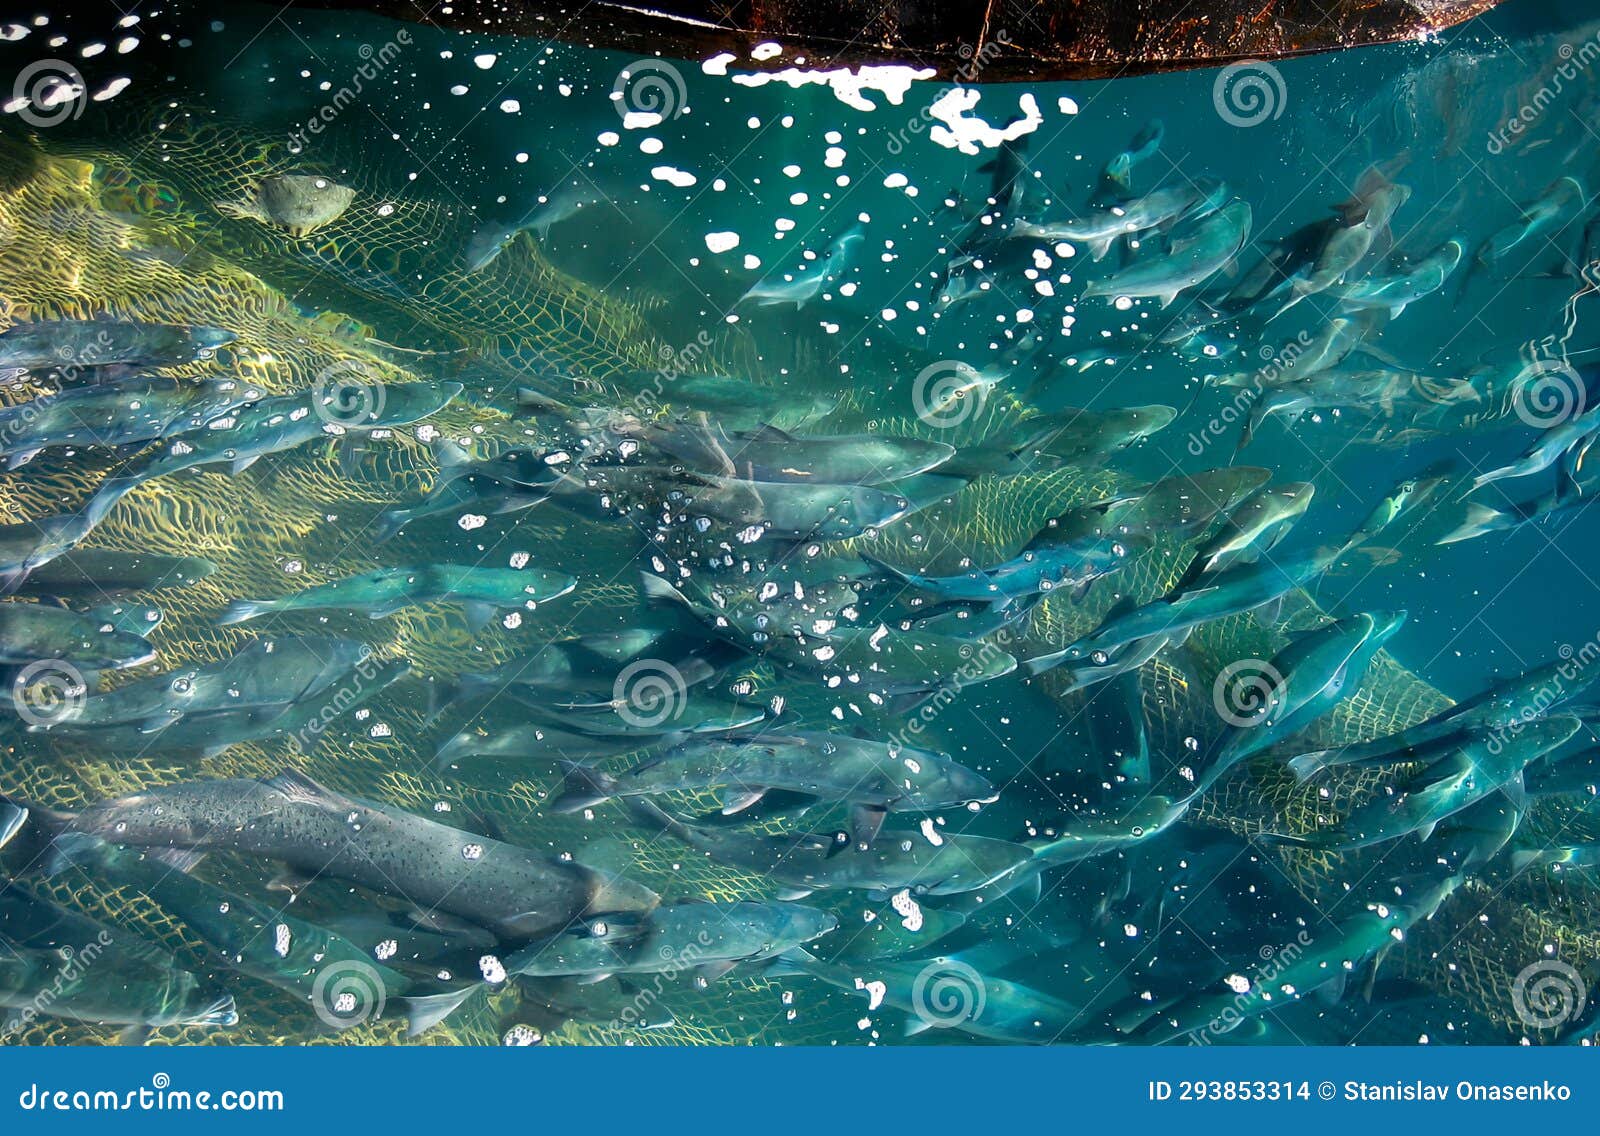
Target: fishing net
x=88, y=232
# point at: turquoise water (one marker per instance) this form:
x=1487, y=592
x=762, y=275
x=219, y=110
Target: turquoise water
x=808, y=406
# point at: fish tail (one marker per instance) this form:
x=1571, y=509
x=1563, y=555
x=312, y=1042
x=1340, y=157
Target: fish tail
x=424, y=1011
x=222, y=1012
x=582, y=788
x=1480, y=520
x=388, y=523
x=241, y=610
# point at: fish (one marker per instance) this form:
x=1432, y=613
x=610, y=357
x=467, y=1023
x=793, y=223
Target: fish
x=1365, y=220
x=1100, y=229
x=946, y=992
x=1554, y=443
x=1231, y=591
x=801, y=287
x=1407, y=495
x=563, y=204
x=311, y=963
x=1564, y=199
x=271, y=426
x=709, y=938
x=873, y=777
x=1253, y=528
x=1185, y=503
x=1480, y=519
x=1191, y=260
x=118, y=413
x=1317, y=671
x=1498, y=708
x=1325, y=964
x=136, y=619
x=807, y=862
x=1070, y=553
x=106, y=346
x=57, y=963
x=30, y=632
x=1557, y=861
x=97, y=572
x=1095, y=835
x=1335, y=342
x=513, y=892
x=298, y=203
x=733, y=403
x=385, y=591
x=1119, y=170
x=1465, y=773
x=787, y=509
x=768, y=454
x=903, y=928
x=1373, y=390
x=268, y=672
x=1396, y=293
x=1072, y=434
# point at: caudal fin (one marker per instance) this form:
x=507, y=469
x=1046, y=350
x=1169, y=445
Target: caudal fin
x=241, y=610
x=582, y=788
x=1480, y=520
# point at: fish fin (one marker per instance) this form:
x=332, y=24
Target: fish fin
x=1100, y=246
x=865, y=823
x=660, y=590
x=479, y=615
x=791, y=894
x=790, y=963
x=181, y=860
x=135, y=1035
x=536, y=403
x=1520, y=861
x=297, y=787
x=1308, y=765
x=240, y=610
x=450, y=456
x=12, y=817
x=290, y=880
x=738, y=802
x=388, y=523
x=583, y=787
x=917, y=1024
x=1480, y=520
x=19, y=458
x=1332, y=992
x=1269, y=613
x=424, y=1011
x=240, y=464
